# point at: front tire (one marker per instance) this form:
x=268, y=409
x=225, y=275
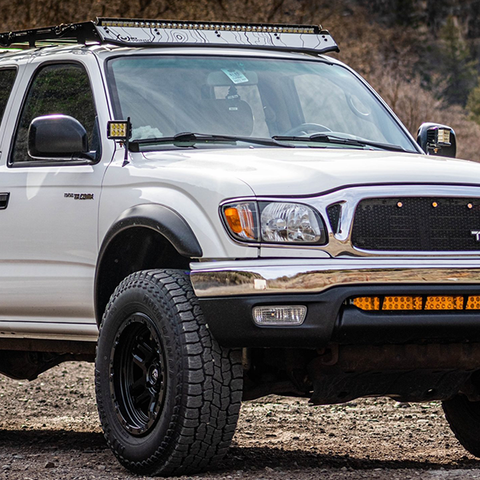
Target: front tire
x=463, y=417
x=168, y=395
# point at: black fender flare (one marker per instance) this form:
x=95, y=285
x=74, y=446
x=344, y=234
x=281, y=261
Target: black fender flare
x=162, y=219
x=167, y=222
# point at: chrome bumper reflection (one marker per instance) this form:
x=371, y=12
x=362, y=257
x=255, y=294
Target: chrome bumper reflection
x=256, y=277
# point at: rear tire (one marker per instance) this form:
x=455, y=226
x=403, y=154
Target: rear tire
x=464, y=419
x=168, y=395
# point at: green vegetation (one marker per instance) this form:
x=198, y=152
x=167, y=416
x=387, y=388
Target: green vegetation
x=473, y=104
x=457, y=66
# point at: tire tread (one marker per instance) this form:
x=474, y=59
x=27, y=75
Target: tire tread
x=211, y=390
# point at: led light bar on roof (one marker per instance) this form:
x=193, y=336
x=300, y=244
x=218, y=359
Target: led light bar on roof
x=162, y=33
x=311, y=39
x=234, y=27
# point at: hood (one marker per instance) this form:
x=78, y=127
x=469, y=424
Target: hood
x=309, y=171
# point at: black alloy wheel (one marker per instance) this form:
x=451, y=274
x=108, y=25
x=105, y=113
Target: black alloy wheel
x=168, y=395
x=137, y=374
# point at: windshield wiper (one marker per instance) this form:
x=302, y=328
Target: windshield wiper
x=338, y=140
x=190, y=139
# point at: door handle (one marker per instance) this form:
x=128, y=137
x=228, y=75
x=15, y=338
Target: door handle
x=4, y=197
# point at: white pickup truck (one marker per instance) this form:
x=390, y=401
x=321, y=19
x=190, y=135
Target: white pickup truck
x=217, y=212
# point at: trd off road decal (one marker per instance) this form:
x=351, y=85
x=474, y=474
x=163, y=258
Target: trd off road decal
x=80, y=196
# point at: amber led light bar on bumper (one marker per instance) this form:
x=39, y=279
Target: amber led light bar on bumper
x=417, y=302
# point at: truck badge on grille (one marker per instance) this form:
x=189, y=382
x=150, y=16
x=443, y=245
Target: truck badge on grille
x=477, y=234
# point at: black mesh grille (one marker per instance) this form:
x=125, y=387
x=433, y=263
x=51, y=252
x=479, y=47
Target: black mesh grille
x=417, y=224
x=333, y=212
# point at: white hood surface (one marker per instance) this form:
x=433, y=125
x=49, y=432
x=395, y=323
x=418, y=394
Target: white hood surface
x=309, y=171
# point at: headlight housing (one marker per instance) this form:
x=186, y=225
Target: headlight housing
x=274, y=222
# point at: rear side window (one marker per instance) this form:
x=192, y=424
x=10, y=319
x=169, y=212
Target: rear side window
x=61, y=88
x=7, y=79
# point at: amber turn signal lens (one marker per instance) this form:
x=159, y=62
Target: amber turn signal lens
x=233, y=219
x=241, y=220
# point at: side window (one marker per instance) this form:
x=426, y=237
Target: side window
x=62, y=88
x=7, y=78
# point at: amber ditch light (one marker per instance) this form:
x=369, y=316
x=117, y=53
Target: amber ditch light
x=444, y=136
x=117, y=130
x=120, y=130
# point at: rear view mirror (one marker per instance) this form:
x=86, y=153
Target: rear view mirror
x=56, y=136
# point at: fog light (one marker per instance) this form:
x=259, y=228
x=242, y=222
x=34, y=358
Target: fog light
x=280, y=315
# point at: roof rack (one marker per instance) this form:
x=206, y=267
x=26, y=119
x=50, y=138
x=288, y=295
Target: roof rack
x=58, y=35
x=165, y=33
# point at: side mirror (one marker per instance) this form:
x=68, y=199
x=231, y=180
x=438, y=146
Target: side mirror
x=56, y=136
x=436, y=139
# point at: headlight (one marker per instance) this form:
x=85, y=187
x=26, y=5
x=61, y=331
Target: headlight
x=291, y=223
x=274, y=222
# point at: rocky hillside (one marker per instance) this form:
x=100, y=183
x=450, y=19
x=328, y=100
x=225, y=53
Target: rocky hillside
x=420, y=55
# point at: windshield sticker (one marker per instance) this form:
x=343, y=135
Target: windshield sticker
x=236, y=76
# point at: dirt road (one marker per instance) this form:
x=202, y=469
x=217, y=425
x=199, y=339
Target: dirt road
x=50, y=430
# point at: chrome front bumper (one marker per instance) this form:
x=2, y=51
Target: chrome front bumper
x=280, y=276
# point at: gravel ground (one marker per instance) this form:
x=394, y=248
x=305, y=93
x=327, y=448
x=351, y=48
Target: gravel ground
x=50, y=430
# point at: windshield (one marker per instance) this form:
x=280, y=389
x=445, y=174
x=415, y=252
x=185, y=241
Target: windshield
x=247, y=97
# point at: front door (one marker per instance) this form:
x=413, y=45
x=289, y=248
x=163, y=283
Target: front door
x=48, y=228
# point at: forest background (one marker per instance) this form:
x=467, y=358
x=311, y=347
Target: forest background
x=422, y=56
